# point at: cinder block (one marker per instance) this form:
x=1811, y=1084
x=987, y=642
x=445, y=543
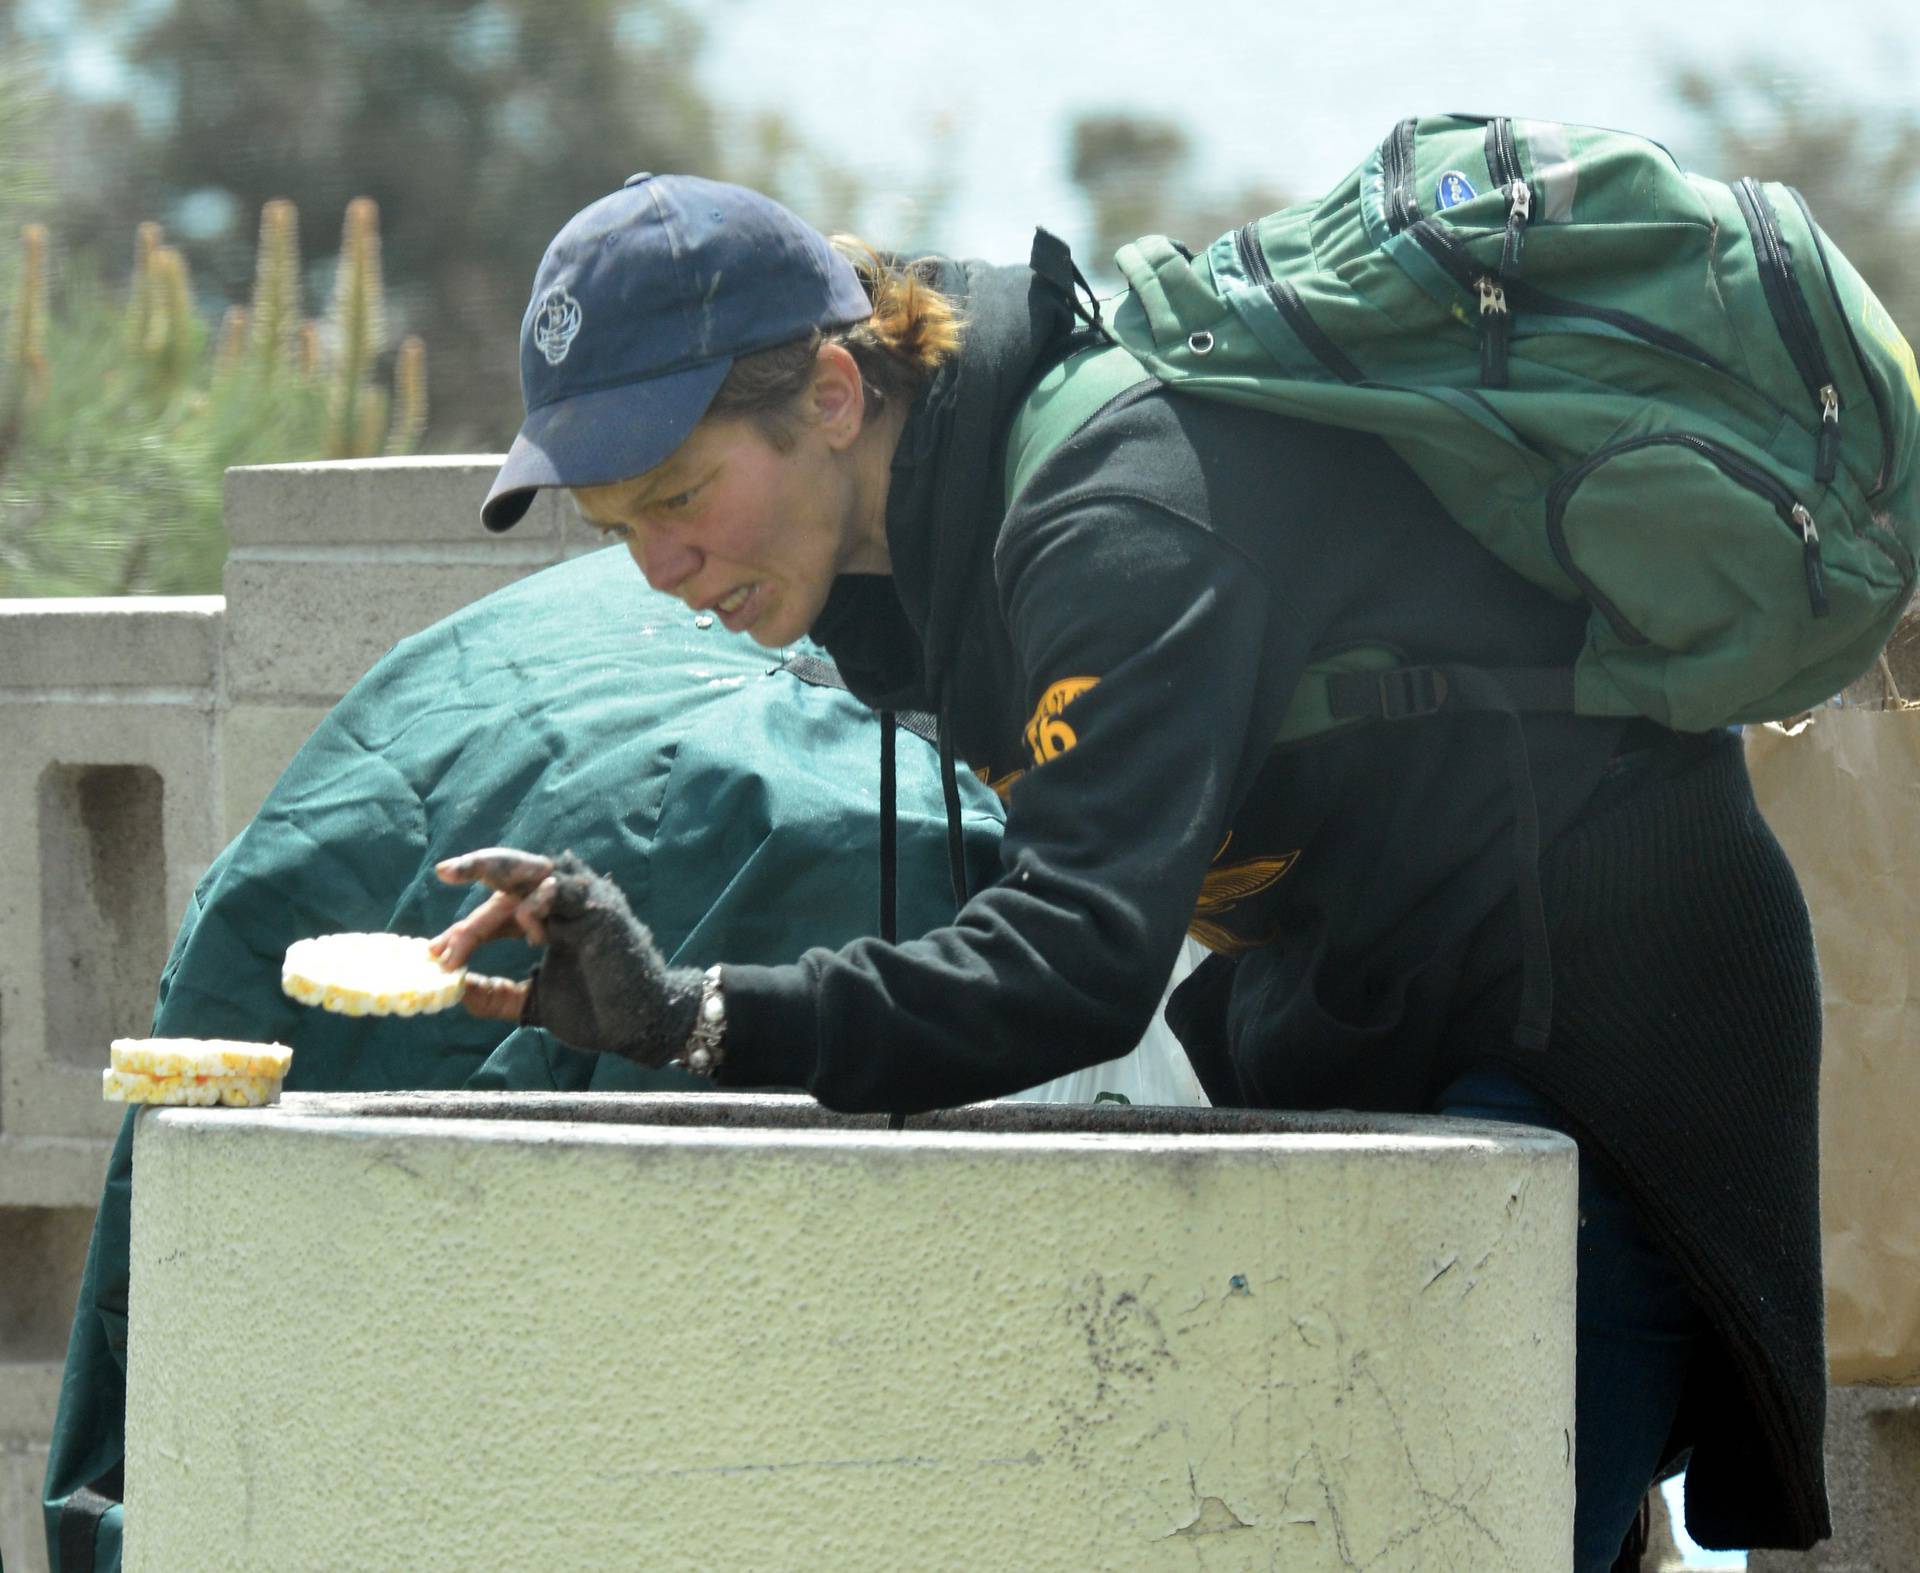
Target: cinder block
x=115, y=815
x=257, y=743
x=52, y=1171
x=45, y=1249
x=23, y=1542
x=29, y=1394
x=301, y=634
x=391, y=503
x=1873, y=1483
x=69, y=646
x=103, y=916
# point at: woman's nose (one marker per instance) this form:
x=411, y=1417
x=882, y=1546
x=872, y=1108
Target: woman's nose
x=665, y=562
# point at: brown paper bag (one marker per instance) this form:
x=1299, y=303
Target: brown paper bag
x=1842, y=792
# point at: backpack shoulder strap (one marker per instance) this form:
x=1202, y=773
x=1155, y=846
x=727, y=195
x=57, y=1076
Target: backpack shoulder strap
x=1062, y=402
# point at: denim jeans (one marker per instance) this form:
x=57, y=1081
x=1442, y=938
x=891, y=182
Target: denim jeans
x=1636, y=1327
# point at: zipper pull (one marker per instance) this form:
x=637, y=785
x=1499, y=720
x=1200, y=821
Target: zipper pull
x=1810, y=560
x=1518, y=216
x=1493, y=332
x=1827, y=455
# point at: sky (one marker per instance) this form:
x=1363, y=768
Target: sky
x=1265, y=88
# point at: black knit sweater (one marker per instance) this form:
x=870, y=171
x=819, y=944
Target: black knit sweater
x=1686, y=1057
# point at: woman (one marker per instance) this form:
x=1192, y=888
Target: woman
x=795, y=442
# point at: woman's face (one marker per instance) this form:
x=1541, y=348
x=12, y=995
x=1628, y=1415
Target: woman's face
x=734, y=526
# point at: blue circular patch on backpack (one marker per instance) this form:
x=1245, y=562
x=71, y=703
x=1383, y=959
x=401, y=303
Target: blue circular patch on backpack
x=1454, y=188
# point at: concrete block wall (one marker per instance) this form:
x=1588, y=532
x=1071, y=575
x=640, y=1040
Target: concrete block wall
x=136, y=737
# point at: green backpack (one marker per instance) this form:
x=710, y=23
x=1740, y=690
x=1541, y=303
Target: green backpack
x=1671, y=398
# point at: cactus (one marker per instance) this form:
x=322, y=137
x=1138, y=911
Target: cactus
x=234, y=329
x=409, y=396
x=23, y=358
x=174, y=331
x=306, y=353
x=146, y=241
x=276, y=286
x=358, y=322
x=26, y=356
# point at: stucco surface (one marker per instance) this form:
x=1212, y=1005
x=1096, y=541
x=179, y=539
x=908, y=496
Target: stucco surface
x=384, y=1341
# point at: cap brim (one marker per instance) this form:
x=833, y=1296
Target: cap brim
x=593, y=439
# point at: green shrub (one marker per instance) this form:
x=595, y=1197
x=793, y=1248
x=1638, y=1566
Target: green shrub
x=119, y=418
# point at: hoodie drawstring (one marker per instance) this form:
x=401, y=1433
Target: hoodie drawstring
x=950, y=790
x=889, y=834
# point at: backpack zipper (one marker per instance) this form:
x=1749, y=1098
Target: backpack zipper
x=1495, y=321
x=1503, y=162
x=1517, y=293
x=1794, y=514
x=1396, y=167
x=1292, y=308
x=1793, y=319
x=1486, y=288
x=1866, y=375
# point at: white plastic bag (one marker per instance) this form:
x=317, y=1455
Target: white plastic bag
x=1155, y=1073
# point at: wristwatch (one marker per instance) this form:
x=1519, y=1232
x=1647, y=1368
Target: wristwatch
x=703, y=1053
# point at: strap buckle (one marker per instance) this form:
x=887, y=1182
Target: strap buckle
x=1411, y=691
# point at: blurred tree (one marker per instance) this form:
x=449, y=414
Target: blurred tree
x=118, y=422
x=1137, y=176
x=476, y=126
x=1857, y=164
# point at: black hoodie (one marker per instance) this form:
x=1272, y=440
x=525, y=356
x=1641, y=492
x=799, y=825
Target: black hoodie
x=1115, y=651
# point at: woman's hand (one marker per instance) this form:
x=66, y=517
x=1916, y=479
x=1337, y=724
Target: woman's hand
x=523, y=892
x=601, y=985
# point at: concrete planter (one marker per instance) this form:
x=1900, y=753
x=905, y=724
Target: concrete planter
x=463, y=1331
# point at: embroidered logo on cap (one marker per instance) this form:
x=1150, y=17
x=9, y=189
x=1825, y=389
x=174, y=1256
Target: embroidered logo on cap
x=556, y=324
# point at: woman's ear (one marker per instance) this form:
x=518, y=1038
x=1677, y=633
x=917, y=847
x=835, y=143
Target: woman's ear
x=839, y=395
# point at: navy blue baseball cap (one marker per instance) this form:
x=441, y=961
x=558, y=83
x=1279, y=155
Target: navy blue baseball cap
x=640, y=307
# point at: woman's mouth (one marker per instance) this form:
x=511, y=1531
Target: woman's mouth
x=740, y=607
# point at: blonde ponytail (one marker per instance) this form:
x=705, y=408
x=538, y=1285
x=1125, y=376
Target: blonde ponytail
x=914, y=328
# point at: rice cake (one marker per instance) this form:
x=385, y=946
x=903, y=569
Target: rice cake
x=370, y=975
x=239, y=1092
x=165, y=1057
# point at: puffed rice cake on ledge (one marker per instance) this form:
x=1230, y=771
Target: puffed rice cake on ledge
x=235, y=1092
x=165, y=1057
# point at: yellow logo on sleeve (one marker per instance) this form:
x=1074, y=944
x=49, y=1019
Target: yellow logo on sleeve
x=1049, y=736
